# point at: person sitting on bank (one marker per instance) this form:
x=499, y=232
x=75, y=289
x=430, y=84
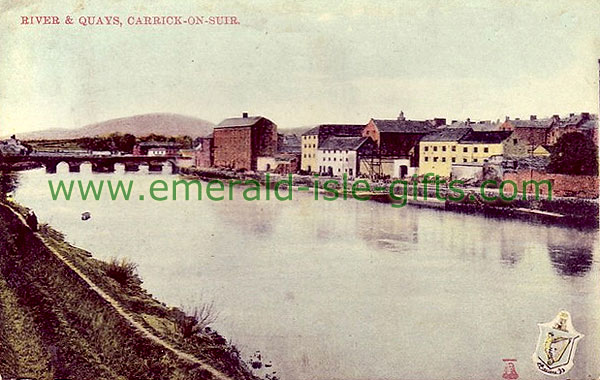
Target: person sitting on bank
x=32, y=221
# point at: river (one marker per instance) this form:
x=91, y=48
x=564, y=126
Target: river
x=348, y=289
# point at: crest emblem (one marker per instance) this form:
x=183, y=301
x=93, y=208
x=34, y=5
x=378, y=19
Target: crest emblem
x=556, y=345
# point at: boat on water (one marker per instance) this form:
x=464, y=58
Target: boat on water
x=377, y=196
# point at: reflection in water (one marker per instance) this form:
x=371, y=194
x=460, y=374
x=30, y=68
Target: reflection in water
x=252, y=218
x=347, y=289
x=570, y=260
x=510, y=256
x=511, y=251
x=397, y=234
x=8, y=182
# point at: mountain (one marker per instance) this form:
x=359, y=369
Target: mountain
x=295, y=130
x=138, y=125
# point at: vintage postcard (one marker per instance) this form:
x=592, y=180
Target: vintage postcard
x=300, y=189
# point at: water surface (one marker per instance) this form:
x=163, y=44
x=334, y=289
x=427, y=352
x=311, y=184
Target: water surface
x=348, y=289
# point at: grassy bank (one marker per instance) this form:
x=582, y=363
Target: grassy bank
x=52, y=325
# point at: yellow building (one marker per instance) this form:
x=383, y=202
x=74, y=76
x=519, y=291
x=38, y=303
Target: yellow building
x=310, y=142
x=441, y=149
x=477, y=146
x=313, y=137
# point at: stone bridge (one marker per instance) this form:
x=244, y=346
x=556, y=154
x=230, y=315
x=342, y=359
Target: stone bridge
x=100, y=163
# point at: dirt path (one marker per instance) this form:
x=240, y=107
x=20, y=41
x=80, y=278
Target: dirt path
x=112, y=302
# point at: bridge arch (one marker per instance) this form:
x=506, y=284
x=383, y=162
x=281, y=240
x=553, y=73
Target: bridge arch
x=174, y=166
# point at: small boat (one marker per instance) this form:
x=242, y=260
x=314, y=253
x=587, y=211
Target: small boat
x=377, y=196
x=86, y=215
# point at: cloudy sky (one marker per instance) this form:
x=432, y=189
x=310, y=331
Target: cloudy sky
x=300, y=62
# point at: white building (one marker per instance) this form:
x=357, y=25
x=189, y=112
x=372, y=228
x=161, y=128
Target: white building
x=337, y=156
x=158, y=151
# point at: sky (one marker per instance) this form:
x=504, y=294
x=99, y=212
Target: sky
x=299, y=62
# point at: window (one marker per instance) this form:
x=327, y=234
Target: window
x=475, y=150
x=426, y=159
x=350, y=172
x=465, y=149
x=486, y=149
x=453, y=159
x=346, y=159
x=346, y=151
x=474, y=160
x=304, y=155
x=443, y=159
x=514, y=141
x=328, y=158
x=454, y=148
x=323, y=158
x=444, y=148
x=339, y=170
x=334, y=159
x=464, y=160
x=435, y=159
x=426, y=149
x=435, y=148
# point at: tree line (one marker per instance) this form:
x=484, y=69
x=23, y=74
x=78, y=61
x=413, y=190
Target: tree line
x=125, y=142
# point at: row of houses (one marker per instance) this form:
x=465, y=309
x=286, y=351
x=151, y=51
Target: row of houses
x=380, y=148
x=399, y=148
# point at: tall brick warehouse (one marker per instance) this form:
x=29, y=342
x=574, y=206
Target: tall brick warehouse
x=239, y=141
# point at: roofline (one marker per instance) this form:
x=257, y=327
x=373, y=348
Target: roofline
x=259, y=118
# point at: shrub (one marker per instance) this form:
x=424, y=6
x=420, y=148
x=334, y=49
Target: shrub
x=195, y=321
x=121, y=270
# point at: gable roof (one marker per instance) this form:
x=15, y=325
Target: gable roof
x=446, y=134
x=288, y=144
x=336, y=129
x=403, y=126
x=240, y=121
x=536, y=123
x=484, y=125
x=580, y=121
x=485, y=137
x=343, y=143
x=590, y=124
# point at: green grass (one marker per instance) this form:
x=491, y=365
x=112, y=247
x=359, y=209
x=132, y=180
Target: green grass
x=56, y=327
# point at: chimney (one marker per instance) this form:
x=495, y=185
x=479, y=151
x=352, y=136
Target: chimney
x=507, y=118
x=585, y=115
x=571, y=114
x=439, y=121
x=401, y=116
x=532, y=117
x=454, y=121
x=245, y=115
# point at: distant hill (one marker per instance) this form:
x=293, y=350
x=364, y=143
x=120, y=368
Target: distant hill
x=139, y=125
x=295, y=130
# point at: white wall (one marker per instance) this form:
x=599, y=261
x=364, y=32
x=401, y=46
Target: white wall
x=340, y=161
